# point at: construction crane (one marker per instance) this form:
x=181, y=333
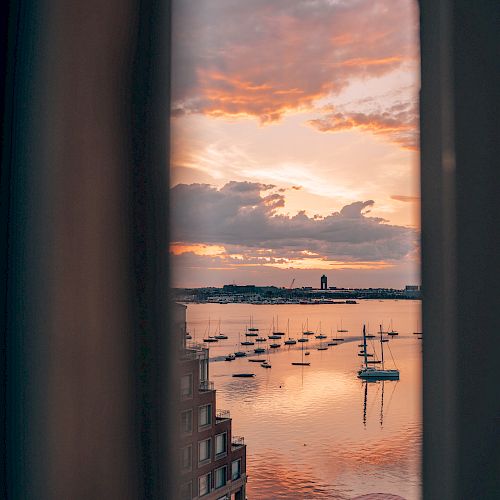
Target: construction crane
x=291, y=284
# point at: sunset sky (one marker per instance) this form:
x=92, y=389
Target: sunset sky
x=295, y=142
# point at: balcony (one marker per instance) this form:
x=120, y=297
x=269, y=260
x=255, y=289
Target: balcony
x=222, y=414
x=206, y=385
x=237, y=441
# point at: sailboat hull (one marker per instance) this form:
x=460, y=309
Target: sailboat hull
x=376, y=374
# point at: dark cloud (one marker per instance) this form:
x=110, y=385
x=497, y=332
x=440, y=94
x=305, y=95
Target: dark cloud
x=398, y=123
x=243, y=217
x=262, y=58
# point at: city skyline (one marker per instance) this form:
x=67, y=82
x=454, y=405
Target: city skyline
x=295, y=143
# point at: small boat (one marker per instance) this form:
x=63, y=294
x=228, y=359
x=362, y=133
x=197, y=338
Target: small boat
x=303, y=340
x=274, y=346
x=368, y=372
x=252, y=331
x=289, y=341
x=392, y=332
x=322, y=348
x=260, y=339
x=230, y=357
x=333, y=343
x=341, y=330
x=210, y=339
x=307, y=353
x=244, y=375
x=302, y=362
x=255, y=360
x=259, y=350
x=276, y=333
x=247, y=342
x=240, y=354
x=266, y=363
x=307, y=331
x=219, y=335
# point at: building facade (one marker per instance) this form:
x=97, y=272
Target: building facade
x=212, y=460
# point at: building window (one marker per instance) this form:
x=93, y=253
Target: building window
x=220, y=477
x=187, y=457
x=187, y=386
x=203, y=370
x=187, y=491
x=204, y=450
x=221, y=444
x=204, y=484
x=187, y=421
x=205, y=415
x=236, y=469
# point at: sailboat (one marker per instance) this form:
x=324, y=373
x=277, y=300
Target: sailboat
x=219, y=335
x=301, y=363
x=277, y=331
x=392, y=332
x=307, y=331
x=209, y=338
x=342, y=330
x=303, y=339
x=417, y=332
x=267, y=362
x=320, y=335
x=252, y=331
x=369, y=372
x=239, y=354
x=289, y=341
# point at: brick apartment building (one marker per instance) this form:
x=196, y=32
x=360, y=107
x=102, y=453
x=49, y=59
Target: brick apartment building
x=212, y=460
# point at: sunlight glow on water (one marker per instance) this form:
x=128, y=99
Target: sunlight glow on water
x=318, y=431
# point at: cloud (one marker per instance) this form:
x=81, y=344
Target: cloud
x=243, y=218
x=262, y=58
x=400, y=197
x=398, y=123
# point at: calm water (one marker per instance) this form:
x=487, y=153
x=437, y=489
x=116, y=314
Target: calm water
x=318, y=431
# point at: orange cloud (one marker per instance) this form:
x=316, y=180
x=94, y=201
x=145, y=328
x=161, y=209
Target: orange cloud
x=398, y=124
x=264, y=58
x=196, y=249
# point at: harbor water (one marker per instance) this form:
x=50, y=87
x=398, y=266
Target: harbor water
x=318, y=431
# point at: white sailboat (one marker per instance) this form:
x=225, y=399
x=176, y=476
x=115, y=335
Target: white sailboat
x=367, y=371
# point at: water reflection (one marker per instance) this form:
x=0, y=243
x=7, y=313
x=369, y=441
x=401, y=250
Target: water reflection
x=380, y=384
x=318, y=431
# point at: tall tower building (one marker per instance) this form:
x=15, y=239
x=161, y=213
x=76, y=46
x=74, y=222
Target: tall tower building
x=324, y=282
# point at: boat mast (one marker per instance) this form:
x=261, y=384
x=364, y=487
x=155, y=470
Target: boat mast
x=382, y=347
x=365, y=346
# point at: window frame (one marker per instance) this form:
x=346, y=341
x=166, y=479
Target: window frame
x=224, y=452
x=225, y=477
x=190, y=431
x=207, y=460
x=209, y=413
x=208, y=475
